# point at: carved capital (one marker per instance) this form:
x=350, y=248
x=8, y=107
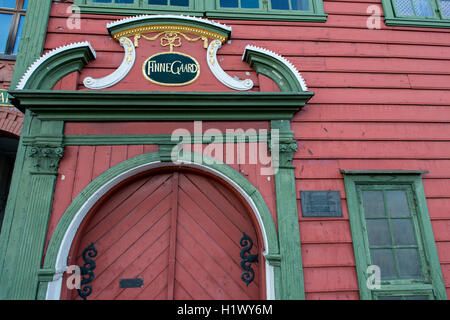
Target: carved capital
x=290, y=147
x=45, y=159
x=283, y=147
x=287, y=151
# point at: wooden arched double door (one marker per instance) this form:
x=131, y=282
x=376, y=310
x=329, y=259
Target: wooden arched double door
x=170, y=234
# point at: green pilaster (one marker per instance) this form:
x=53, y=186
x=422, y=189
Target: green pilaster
x=287, y=216
x=29, y=207
x=14, y=191
x=33, y=37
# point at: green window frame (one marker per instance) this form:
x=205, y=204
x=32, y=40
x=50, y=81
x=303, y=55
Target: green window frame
x=266, y=11
x=13, y=14
x=417, y=13
x=390, y=226
x=209, y=9
x=122, y=7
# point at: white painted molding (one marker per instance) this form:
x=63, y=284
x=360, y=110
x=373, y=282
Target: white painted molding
x=170, y=16
x=120, y=73
x=282, y=59
x=213, y=63
x=47, y=56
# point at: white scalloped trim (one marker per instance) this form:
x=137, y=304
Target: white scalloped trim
x=38, y=62
x=281, y=59
x=148, y=16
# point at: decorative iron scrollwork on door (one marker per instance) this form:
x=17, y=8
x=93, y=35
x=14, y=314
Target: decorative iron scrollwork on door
x=87, y=271
x=247, y=259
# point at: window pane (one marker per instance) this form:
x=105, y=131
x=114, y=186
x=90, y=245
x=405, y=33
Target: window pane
x=378, y=233
x=404, y=7
x=8, y=3
x=373, y=204
x=403, y=297
x=229, y=3
x=416, y=297
x=408, y=263
x=300, y=5
x=403, y=232
x=397, y=203
x=384, y=258
x=158, y=2
x=389, y=297
x=19, y=34
x=423, y=8
x=5, y=25
x=280, y=4
x=181, y=3
x=115, y=1
x=250, y=4
x=25, y=5
x=445, y=6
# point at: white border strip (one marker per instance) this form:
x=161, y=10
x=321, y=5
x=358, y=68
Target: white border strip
x=54, y=287
x=48, y=55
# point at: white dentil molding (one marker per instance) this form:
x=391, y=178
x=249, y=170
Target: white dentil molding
x=280, y=58
x=47, y=56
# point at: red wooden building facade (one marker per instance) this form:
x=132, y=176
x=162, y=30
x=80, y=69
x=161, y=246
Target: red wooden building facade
x=347, y=96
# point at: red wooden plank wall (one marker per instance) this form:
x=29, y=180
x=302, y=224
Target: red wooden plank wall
x=381, y=103
x=81, y=165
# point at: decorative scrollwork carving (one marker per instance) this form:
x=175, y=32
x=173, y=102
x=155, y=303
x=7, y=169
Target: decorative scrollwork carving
x=231, y=82
x=247, y=259
x=46, y=158
x=120, y=73
x=170, y=38
x=87, y=271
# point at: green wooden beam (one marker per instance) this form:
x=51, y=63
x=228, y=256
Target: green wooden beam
x=28, y=209
x=291, y=265
x=164, y=106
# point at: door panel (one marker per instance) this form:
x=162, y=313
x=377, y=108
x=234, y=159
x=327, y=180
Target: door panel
x=179, y=231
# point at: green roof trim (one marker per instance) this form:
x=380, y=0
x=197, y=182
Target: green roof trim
x=46, y=71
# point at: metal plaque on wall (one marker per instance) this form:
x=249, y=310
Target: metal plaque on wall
x=323, y=204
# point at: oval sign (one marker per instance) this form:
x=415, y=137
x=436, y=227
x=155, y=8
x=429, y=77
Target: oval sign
x=171, y=69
